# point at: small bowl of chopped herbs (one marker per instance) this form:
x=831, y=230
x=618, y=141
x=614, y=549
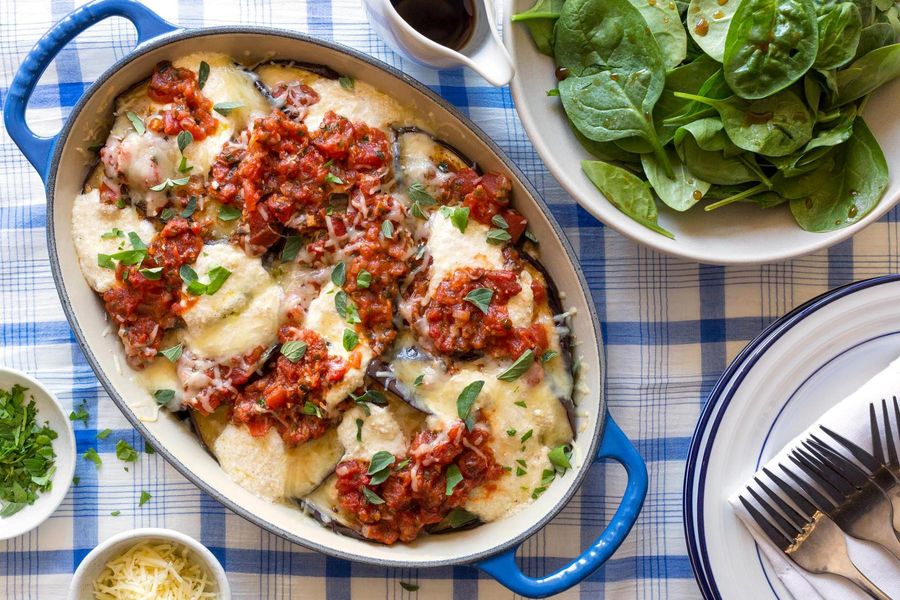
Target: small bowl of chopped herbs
x=37, y=453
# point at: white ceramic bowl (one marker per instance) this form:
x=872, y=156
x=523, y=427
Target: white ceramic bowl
x=81, y=587
x=737, y=234
x=50, y=410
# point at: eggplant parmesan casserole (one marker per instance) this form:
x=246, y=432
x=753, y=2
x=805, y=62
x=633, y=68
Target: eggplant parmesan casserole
x=351, y=314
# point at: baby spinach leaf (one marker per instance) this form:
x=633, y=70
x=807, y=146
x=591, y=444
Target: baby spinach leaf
x=843, y=189
x=617, y=70
x=839, y=30
x=708, y=22
x=867, y=74
x=665, y=24
x=540, y=19
x=626, y=192
x=713, y=166
x=681, y=191
x=874, y=36
x=772, y=126
x=770, y=45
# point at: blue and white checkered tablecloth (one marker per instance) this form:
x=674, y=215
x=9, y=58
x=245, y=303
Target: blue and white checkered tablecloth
x=670, y=327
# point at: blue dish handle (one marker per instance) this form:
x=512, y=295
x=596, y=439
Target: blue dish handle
x=38, y=149
x=615, y=445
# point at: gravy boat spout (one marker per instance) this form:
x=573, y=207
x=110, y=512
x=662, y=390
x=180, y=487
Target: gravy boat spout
x=483, y=51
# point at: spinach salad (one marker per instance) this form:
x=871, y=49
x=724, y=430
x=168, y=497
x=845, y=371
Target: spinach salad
x=723, y=101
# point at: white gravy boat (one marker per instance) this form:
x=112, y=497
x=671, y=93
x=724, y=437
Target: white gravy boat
x=483, y=52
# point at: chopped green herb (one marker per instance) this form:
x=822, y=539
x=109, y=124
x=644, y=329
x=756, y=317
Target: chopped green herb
x=115, y=513
x=454, y=478
x=458, y=215
x=530, y=236
x=520, y=471
x=560, y=457
x=520, y=403
x=183, y=166
x=76, y=480
x=184, y=139
x=401, y=465
x=120, y=202
x=104, y=434
x=149, y=449
x=466, y=400
x=510, y=432
x=77, y=415
x=350, y=339
x=417, y=211
x=371, y=497
x=173, y=353
x=458, y=517
x=359, y=424
x=105, y=261
x=145, y=497
x=538, y=491
x=498, y=237
x=499, y=222
x=419, y=195
x=293, y=350
x=409, y=587
x=339, y=274
x=419, y=379
x=202, y=74
x=521, y=462
x=225, y=108
x=125, y=452
x=136, y=122
x=191, y=206
x=549, y=355
x=363, y=279
x=553, y=92
x=153, y=274
x=91, y=455
x=26, y=452
x=164, y=396
x=374, y=396
x=347, y=83
x=518, y=368
x=170, y=183
x=311, y=409
x=526, y=436
x=167, y=214
x=380, y=467
x=332, y=178
x=115, y=232
x=387, y=230
x=291, y=248
x=481, y=298
x=345, y=308
x=228, y=212
x=217, y=277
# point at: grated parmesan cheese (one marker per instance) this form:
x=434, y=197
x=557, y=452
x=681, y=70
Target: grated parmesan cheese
x=154, y=571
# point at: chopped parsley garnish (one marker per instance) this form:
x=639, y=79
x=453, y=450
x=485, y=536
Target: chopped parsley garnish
x=173, y=353
x=228, y=212
x=456, y=518
x=332, y=178
x=153, y=274
x=560, y=457
x=145, y=497
x=387, y=230
x=458, y=215
x=294, y=350
x=347, y=83
x=466, y=400
x=549, y=355
x=217, y=277
x=520, y=471
x=401, y=465
x=350, y=339
x=481, y=298
x=184, y=139
x=499, y=221
x=225, y=108
x=163, y=396
x=518, y=368
x=498, y=237
x=359, y=425
x=339, y=274
x=510, y=432
x=115, y=513
x=454, y=478
x=311, y=409
x=125, y=452
x=409, y=587
x=526, y=436
x=26, y=452
x=167, y=214
x=380, y=467
x=345, y=308
x=202, y=74
x=169, y=184
x=372, y=497
x=291, y=248
x=419, y=379
x=91, y=455
x=191, y=206
x=363, y=279
x=76, y=480
x=81, y=414
x=520, y=403
x=420, y=197
x=104, y=434
x=136, y=122
x=105, y=261
x=374, y=396
x=115, y=232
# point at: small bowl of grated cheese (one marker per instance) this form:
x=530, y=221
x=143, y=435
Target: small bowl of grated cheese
x=150, y=564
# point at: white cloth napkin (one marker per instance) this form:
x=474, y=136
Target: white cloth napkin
x=850, y=418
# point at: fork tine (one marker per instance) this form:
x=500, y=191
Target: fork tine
x=838, y=463
x=867, y=460
x=820, y=475
x=817, y=498
x=778, y=538
x=789, y=512
x=889, y=436
x=897, y=416
x=789, y=528
x=799, y=499
x=876, y=435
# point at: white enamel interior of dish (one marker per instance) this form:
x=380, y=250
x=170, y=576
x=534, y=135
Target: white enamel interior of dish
x=863, y=329
x=175, y=437
x=737, y=234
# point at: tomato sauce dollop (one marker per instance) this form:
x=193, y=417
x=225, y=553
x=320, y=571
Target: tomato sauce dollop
x=190, y=110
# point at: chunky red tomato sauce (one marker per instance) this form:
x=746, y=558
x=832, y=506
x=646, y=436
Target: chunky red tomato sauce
x=291, y=397
x=190, y=110
x=416, y=495
x=458, y=326
x=486, y=196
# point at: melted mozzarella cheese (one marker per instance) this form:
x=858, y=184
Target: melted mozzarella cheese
x=268, y=468
x=379, y=431
x=90, y=220
x=323, y=318
x=161, y=374
x=243, y=314
x=361, y=103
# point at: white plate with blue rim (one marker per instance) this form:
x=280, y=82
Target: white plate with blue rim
x=785, y=379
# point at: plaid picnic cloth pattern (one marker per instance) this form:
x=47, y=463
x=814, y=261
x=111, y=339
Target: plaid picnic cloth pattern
x=670, y=327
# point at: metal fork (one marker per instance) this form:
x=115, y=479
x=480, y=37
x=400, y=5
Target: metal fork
x=812, y=541
x=861, y=512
